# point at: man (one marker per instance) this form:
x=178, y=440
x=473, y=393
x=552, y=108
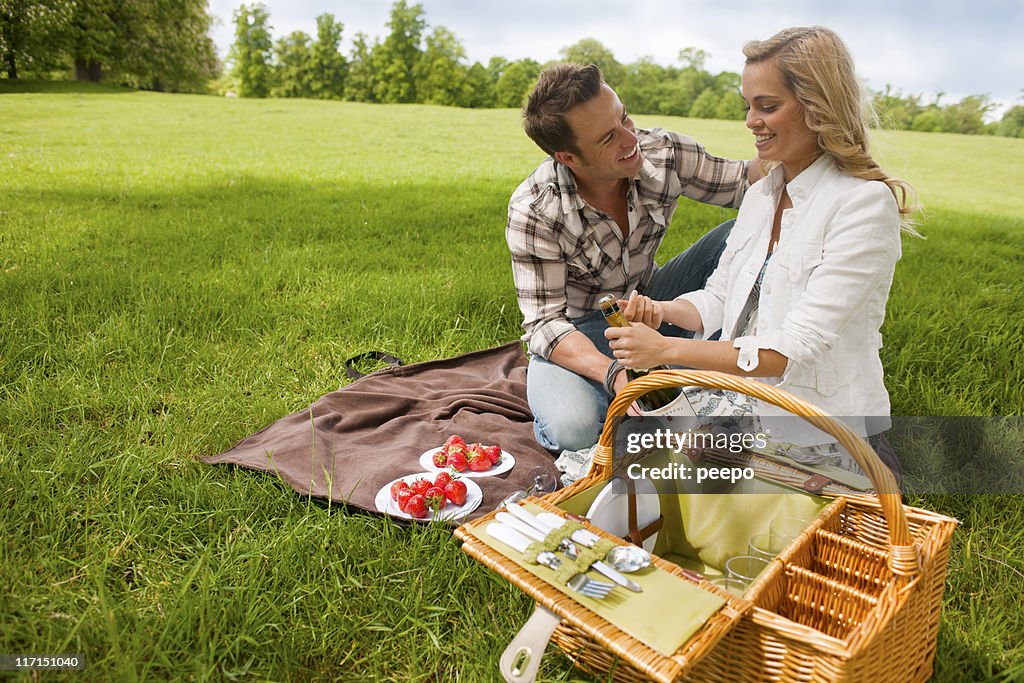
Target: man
x=587, y=223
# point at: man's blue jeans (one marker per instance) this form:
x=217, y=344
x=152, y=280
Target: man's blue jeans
x=569, y=409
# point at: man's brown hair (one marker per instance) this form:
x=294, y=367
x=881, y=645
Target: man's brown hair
x=559, y=89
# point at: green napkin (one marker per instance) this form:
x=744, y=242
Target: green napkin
x=664, y=616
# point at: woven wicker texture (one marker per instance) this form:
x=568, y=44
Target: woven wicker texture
x=856, y=597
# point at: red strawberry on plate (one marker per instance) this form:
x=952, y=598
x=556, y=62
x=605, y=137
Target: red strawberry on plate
x=396, y=487
x=457, y=461
x=416, y=507
x=440, y=458
x=421, y=485
x=453, y=441
x=478, y=461
x=455, y=491
x=441, y=479
x=434, y=498
x=403, y=498
x=493, y=453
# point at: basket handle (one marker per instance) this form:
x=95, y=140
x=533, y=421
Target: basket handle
x=903, y=554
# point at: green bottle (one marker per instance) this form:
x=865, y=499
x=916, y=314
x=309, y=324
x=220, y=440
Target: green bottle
x=652, y=400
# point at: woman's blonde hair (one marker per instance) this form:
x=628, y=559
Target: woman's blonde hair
x=816, y=65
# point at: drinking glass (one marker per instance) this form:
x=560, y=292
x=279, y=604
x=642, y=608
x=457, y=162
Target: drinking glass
x=734, y=586
x=745, y=568
x=760, y=545
x=784, y=529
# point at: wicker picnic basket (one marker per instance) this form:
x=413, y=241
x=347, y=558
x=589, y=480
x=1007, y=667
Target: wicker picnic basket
x=856, y=597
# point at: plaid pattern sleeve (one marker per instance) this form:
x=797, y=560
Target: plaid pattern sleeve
x=539, y=268
x=684, y=167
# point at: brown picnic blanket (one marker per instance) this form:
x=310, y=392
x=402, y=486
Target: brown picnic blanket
x=350, y=443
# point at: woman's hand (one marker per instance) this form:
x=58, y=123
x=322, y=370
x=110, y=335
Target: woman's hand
x=642, y=309
x=639, y=346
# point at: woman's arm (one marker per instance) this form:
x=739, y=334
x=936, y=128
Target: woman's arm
x=641, y=347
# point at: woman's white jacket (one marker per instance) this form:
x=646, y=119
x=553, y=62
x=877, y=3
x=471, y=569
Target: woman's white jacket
x=824, y=292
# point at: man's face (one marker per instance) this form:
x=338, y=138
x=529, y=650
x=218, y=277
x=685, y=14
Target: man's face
x=606, y=138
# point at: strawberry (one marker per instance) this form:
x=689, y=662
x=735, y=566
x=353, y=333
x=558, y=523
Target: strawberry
x=396, y=487
x=457, y=461
x=416, y=507
x=421, y=485
x=493, y=453
x=403, y=498
x=434, y=498
x=440, y=457
x=478, y=462
x=455, y=491
x=441, y=479
x=453, y=440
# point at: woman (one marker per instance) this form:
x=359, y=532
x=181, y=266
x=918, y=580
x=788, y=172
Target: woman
x=800, y=291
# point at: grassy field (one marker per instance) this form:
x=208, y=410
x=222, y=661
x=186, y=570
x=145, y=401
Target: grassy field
x=177, y=271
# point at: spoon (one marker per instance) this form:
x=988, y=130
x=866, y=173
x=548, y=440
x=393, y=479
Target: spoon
x=628, y=558
x=621, y=558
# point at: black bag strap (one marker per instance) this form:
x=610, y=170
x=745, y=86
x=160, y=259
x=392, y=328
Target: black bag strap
x=352, y=373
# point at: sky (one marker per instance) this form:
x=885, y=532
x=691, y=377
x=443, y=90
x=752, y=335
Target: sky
x=954, y=47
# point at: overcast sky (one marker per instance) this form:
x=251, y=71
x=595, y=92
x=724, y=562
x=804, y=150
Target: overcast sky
x=958, y=47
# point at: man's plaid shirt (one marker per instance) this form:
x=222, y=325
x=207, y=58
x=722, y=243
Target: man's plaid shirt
x=566, y=255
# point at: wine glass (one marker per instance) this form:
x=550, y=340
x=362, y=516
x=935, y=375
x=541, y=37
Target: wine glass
x=542, y=482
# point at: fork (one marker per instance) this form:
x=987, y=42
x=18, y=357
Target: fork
x=581, y=583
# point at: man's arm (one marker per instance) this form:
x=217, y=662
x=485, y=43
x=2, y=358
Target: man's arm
x=710, y=179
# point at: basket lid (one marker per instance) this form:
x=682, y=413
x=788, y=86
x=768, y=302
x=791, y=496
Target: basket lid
x=660, y=657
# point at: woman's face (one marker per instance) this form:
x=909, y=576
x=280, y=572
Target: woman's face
x=776, y=119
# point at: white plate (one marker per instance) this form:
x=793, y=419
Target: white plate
x=610, y=510
x=450, y=511
x=506, y=463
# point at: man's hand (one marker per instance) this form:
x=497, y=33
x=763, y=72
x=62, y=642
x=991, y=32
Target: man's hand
x=642, y=309
x=621, y=380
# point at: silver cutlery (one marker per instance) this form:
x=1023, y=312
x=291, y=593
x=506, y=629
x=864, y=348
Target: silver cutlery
x=580, y=583
x=547, y=522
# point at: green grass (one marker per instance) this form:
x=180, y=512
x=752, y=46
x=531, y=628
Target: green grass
x=177, y=271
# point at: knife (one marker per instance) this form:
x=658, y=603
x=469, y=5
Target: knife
x=520, y=526
x=508, y=536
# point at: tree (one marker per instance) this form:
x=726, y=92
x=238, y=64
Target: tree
x=32, y=34
x=327, y=65
x=591, y=51
x=731, y=106
x=94, y=43
x=693, y=58
x=643, y=80
x=966, y=116
x=440, y=75
x=250, y=53
x=165, y=46
x=479, y=90
x=706, y=104
x=896, y=110
x=516, y=81
x=928, y=121
x=1012, y=123
x=292, y=59
x=361, y=74
x=395, y=59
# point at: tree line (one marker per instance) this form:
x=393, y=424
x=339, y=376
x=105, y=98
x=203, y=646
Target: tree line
x=146, y=44
x=165, y=45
